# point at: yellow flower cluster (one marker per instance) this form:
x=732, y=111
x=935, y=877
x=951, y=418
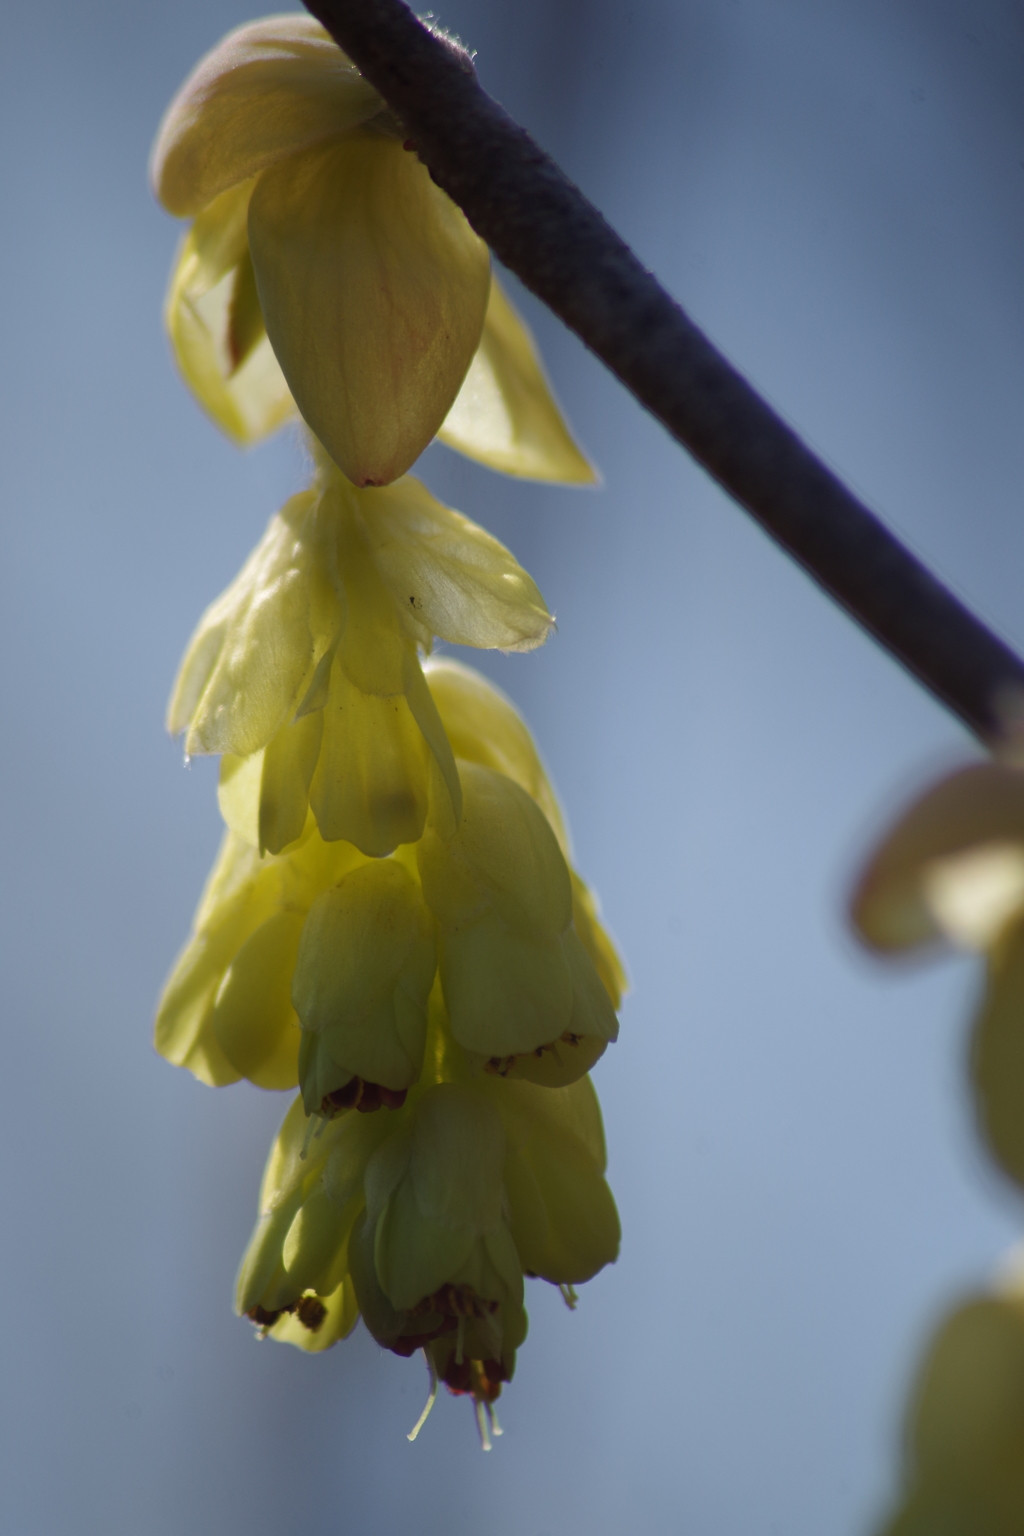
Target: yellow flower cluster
x=392, y=926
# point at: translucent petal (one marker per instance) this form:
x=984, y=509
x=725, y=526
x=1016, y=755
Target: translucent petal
x=505, y=993
x=561, y=1212
x=370, y=785
x=253, y=1018
x=484, y=727
x=341, y=1315
x=365, y=968
x=505, y=414
x=908, y=896
x=457, y=581
x=216, y=325
x=449, y=1196
x=374, y=289
x=265, y=797
x=504, y=857
x=244, y=669
x=586, y=919
x=248, y=402
x=233, y=906
x=268, y=89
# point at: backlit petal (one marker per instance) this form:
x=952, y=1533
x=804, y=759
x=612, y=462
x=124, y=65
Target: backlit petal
x=505, y=414
x=374, y=290
x=268, y=89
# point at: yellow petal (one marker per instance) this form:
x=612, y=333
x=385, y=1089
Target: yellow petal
x=341, y=1313
x=374, y=289
x=364, y=972
x=452, y=577
x=233, y=906
x=484, y=727
x=370, y=784
x=504, y=857
x=253, y=1018
x=505, y=993
x=505, y=414
x=953, y=865
x=268, y=89
x=561, y=1211
x=245, y=666
x=265, y=797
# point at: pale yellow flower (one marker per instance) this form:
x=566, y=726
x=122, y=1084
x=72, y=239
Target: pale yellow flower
x=325, y=267
x=325, y=948
x=425, y=1216
x=308, y=667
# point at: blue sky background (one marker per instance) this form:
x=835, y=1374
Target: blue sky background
x=835, y=190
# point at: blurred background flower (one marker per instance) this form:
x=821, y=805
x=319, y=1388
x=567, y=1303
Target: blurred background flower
x=835, y=189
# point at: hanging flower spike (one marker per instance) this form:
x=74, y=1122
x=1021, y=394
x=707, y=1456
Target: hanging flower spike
x=307, y=666
x=952, y=869
x=371, y=284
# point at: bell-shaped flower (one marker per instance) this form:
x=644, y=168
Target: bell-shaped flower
x=307, y=666
x=370, y=283
x=484, y=727
x=294, y=1281
x=965, y=1427
x=561, y=1212
x=952, y=868
x=521, y=991
x=433, y=1254
x=226, y=1011
x=365, y=968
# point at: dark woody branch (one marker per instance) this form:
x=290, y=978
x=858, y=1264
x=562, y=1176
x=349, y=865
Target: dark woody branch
x=543, y=228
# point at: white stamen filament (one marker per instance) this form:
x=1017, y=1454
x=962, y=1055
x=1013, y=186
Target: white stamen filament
x=481, y=1424
x=431, y=1399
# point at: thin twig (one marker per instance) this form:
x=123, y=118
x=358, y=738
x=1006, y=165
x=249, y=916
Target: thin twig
x=542, y=227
